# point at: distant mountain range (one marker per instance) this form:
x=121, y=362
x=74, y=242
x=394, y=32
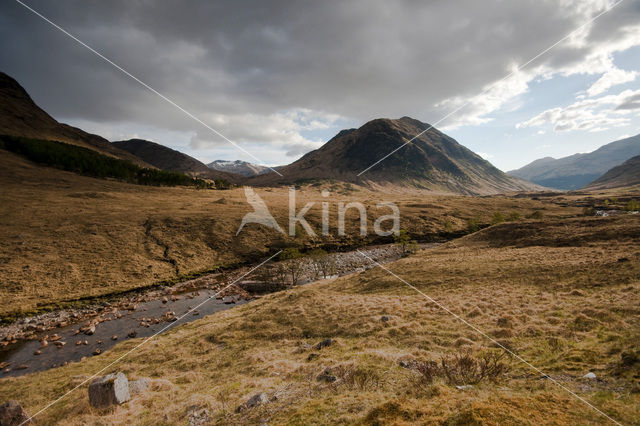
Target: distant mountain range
x=433, y=161
x=578, y=170
x=239, y=167
x=166, y=158
x=626, y=174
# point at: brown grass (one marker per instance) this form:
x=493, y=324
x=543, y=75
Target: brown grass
x=67, y=237
x=568, y=309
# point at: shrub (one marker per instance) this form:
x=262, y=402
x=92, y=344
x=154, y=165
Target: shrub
x=324, y=265
x=632, y=205
x=292, y=264
x=357, y=377
x=413, y=246
x=222, y=184
x=465, y=369
x=536, y=215
x=402, y=239
x=513, y=216
x=448, y=225
x=473, y=224
x=497, y=218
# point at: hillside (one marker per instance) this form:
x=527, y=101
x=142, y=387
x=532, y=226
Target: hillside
x=626, y=174
x=166, y=158
x=97, y=236
x=433, y=161
x=578, y=170
x=20, y=116
x=243, y=168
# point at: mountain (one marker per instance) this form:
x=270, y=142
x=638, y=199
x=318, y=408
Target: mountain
x=626, y=174
x=239, y=167
x=20, y=116
x=576, y=171
x=166, y=158
x=433, y=161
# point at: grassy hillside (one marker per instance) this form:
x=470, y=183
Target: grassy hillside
x=569, y=305
x=88, y=162
x=20, y=116
x=68, y=236
x=625, y=175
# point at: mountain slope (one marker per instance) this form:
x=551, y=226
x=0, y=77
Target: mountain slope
x=576, y=171
x=626, y=174
x=433, y=161
x=166, y=158
x=243, y=168
x=20, y=116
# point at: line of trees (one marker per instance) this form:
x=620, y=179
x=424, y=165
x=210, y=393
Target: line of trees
x=87, y=162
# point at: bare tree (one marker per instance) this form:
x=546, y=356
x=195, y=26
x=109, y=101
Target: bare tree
x=324, y=265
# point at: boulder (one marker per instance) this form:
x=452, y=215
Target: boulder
x=138, y=386
x=326, y=376
x=112, y=389
x=325, y=343
x=589, y=375
x=254, y=401
x=12, y=414
x=385, y=318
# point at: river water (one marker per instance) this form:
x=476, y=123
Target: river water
x=143, y=319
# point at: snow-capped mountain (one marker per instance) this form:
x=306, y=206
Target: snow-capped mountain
x=243, y=168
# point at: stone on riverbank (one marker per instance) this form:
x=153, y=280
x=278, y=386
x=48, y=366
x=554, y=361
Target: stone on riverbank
x=112, y=389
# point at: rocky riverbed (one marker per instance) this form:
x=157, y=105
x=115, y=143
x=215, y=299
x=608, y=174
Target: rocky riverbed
x=56, y=338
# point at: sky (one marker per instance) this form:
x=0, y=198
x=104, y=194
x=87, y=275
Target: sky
x=280, y=78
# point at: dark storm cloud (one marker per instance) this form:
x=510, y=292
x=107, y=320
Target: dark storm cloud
x=356, y=59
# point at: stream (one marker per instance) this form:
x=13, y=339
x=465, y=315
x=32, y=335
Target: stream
x=101, y=327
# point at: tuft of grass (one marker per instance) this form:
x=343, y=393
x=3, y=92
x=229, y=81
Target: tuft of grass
x=464, y=368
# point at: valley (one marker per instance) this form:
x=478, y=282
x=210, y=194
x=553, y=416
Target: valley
x=563, y=294
x=229, y=294
x=70, y=237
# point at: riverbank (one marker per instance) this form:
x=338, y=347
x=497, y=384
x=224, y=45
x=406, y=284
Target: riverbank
x=56, y=338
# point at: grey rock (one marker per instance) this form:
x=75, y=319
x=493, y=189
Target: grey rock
x=385, y=318
x=464, y=387
x=198, y=416
x=12, y=414
x=228, y=300
x=589, y=375
x=325, y=343
x=112, y=389
x=326, y=376
x=138, y=386
x=254, y=401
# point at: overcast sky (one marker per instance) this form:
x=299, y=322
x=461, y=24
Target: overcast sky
x=281, y=78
